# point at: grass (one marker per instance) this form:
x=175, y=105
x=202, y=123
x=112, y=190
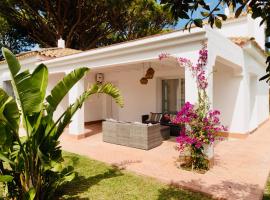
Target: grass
x=99, y=181
x=1, y=190
x=266, y=195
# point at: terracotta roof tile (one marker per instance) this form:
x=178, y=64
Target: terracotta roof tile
x=243, y=41
x=46, y=53
x=58, y=52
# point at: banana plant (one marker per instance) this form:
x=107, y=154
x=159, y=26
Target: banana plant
x=31, y=167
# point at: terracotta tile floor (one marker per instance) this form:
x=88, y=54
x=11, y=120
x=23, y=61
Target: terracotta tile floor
x=240, y=172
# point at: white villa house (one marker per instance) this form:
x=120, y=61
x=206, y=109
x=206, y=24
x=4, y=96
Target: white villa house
x=236, y=59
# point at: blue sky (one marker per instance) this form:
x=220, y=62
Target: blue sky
x=211, y=3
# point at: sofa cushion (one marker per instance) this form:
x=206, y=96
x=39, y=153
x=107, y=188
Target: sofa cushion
x=158, y=117
x=155, y=117
x=152, y=117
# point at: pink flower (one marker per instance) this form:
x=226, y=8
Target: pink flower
x=163, y=56
x=198, y=145
x=199, y=126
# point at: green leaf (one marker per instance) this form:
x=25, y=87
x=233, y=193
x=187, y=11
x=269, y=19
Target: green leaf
x=224, y=17
x=9, y=112
x=69, y=177
x=218, y=23
x=56, y=166
x=239, y=11
x=12, y=61
x=265, y=77
x=63, y=87
x=268, y=60
x=198, y=22
x=107, y=88
x=207, y=7
x=9, y=120
x=5, y=178
x=211, y=20
x=267, y=44
x=5, y=159
x=205, y=14
x=184, y=15
x=28, y=88
x=262, y=21
x=30, y=195
x=40, y=79
x=65, y=178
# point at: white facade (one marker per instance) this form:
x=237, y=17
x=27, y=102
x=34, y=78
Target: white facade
x=234, y=88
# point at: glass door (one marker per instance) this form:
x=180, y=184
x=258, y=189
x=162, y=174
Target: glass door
x=173, y=95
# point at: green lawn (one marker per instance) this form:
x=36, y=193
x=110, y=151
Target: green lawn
x=266, y=195
x=99, y=181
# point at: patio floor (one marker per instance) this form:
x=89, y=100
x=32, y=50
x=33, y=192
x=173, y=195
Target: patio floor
x=240, y=172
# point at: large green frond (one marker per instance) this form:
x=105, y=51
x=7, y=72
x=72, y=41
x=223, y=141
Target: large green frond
x=29, y=88
x=107, y=88
x=9, y=112
x=12, y=61
x=63, y=87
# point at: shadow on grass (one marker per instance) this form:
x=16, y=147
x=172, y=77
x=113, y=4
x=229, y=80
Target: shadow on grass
x=225, y=189
x=266, y=197
x=80, y=184
x=176, y=192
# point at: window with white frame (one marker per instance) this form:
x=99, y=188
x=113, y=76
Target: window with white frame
x=173, y=95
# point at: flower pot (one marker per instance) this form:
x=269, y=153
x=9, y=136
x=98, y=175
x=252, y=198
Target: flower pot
x=184, y=157
x=209, y=153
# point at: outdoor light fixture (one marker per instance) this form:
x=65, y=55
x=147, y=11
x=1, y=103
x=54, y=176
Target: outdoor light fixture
x=150, y=73
x=99, y=77
x=143, y=81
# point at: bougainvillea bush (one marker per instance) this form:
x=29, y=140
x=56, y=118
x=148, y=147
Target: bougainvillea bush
x=200, y=130
x=200, y=123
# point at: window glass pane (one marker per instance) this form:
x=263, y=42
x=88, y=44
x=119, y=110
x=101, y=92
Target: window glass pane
x=169, y=95
x=182, y=93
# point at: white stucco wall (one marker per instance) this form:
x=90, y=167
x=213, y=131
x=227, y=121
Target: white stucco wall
x=244, y=26
x=93, y=109
x=242, y=99
x=52, y=81
x=227, y=98
x=256, y=69
x=138, y=99
x=236, y=28
x=231, y=89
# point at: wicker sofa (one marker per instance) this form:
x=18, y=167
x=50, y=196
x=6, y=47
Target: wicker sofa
x=141, y=136
x=158, y=118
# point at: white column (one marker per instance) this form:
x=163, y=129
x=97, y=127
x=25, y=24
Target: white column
x=210, y=89
x=191, y=91
x=253, y=102
x=76, y=127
